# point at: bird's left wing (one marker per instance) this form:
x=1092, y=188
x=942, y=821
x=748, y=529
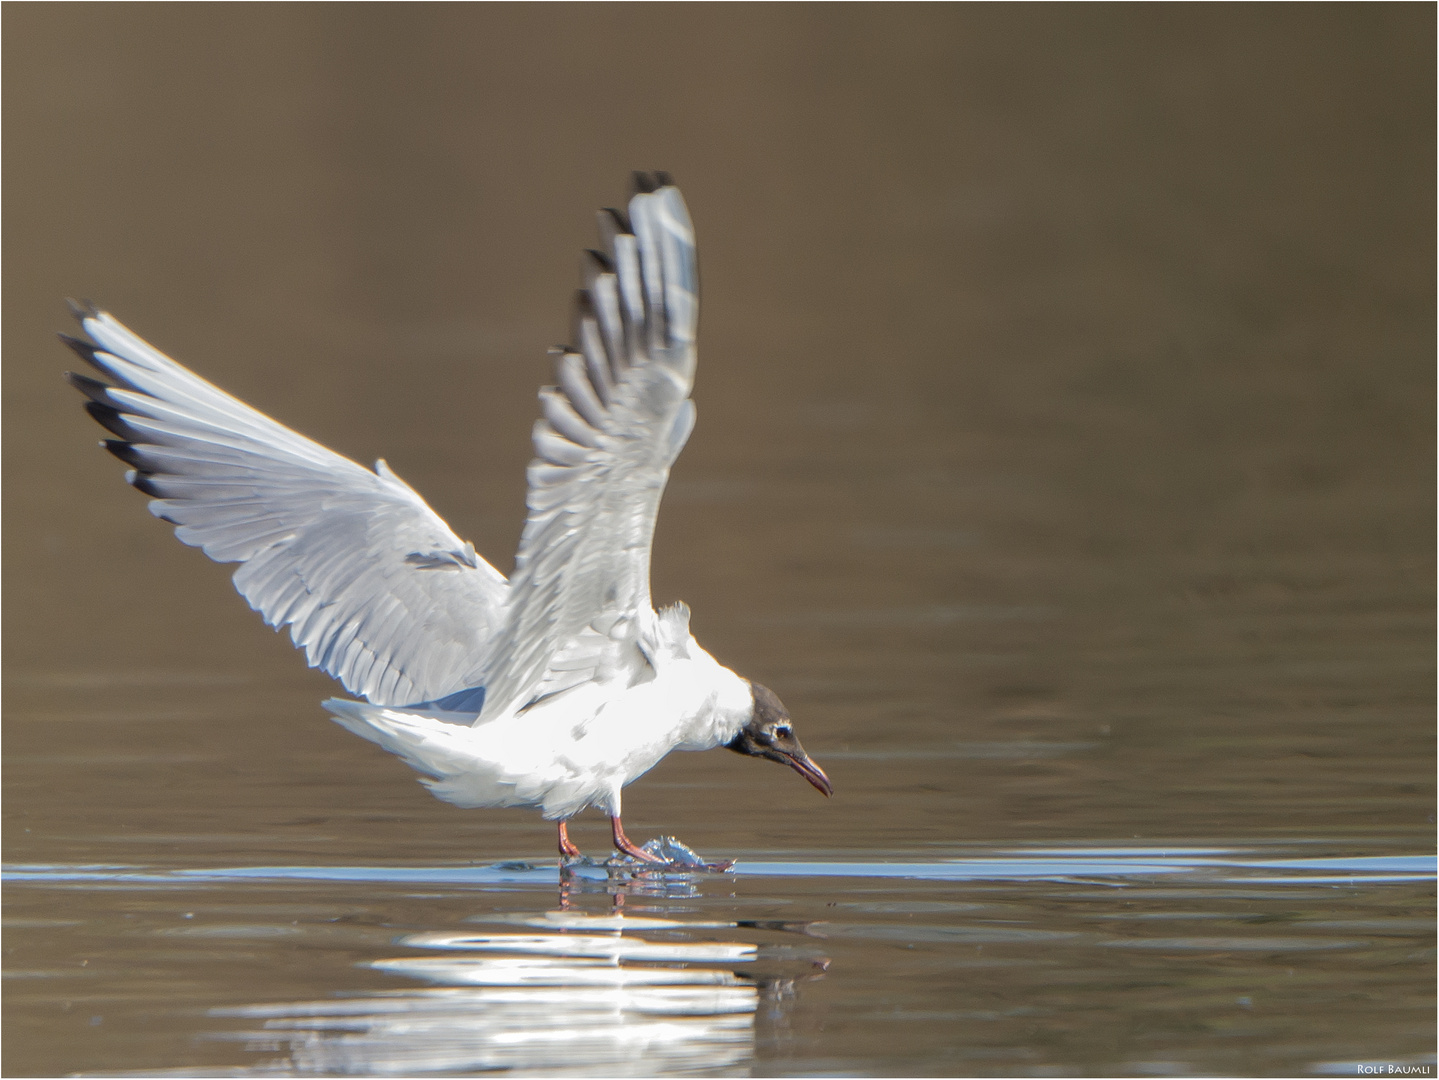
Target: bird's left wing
x=621, y=413
x=374, y=586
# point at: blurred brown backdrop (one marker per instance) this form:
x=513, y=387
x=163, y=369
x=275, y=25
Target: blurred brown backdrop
x=1067, y=381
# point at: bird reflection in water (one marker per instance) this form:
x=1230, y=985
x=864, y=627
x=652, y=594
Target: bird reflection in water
x=562, y=992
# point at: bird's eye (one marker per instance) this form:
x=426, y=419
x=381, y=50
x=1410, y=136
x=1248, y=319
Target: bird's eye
x=783, y=731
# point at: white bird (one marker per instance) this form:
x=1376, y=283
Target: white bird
x=553, y=689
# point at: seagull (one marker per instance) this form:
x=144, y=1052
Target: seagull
x=552, y=689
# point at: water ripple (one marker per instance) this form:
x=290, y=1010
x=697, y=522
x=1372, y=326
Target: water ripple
x=1048, y=864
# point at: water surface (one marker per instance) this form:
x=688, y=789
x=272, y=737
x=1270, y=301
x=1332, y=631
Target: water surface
x=1014, y=962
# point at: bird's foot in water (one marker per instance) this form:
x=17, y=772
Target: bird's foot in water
x=667, y=853
x=663, y=852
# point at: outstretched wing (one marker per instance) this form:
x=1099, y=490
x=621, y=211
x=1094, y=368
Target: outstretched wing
x=580, y=592
x=373, y=584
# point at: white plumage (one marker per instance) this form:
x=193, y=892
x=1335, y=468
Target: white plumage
x=553, y=689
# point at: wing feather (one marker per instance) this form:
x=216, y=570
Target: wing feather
x=578, y=391
x=604, y=296
x=566, y=421
x=344, y=556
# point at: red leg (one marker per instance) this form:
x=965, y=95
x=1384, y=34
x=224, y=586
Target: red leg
x=625, y=844
x=567, y=849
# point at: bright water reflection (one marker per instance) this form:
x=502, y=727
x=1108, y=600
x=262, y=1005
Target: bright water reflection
x=573, y=994
x=539, y=1015
x=585, y=1031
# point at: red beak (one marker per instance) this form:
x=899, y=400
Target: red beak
x=801, y=764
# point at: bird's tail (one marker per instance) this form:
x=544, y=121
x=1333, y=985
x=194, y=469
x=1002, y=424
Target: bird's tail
x=429, y=745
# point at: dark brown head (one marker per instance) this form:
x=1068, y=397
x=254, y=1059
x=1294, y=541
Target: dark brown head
x=769, y=734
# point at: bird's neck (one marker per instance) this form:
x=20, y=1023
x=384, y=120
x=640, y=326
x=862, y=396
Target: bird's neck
x=723, y=703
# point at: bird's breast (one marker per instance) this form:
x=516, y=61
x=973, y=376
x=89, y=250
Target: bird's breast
x=625, y=729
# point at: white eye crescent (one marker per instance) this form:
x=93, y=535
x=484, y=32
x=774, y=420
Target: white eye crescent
x=783, y=731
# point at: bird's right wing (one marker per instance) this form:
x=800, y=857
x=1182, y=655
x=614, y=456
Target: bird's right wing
x=373, y=584
x=580, y=593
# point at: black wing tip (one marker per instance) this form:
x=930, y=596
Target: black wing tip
x=110, y=418
x=622, y=220
x=125, y=451
x=646, y=183
x=602, y=261
x=141, y=481
x=93, y=389
x=82, y=309
x=85, y=350
x=89, y=352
